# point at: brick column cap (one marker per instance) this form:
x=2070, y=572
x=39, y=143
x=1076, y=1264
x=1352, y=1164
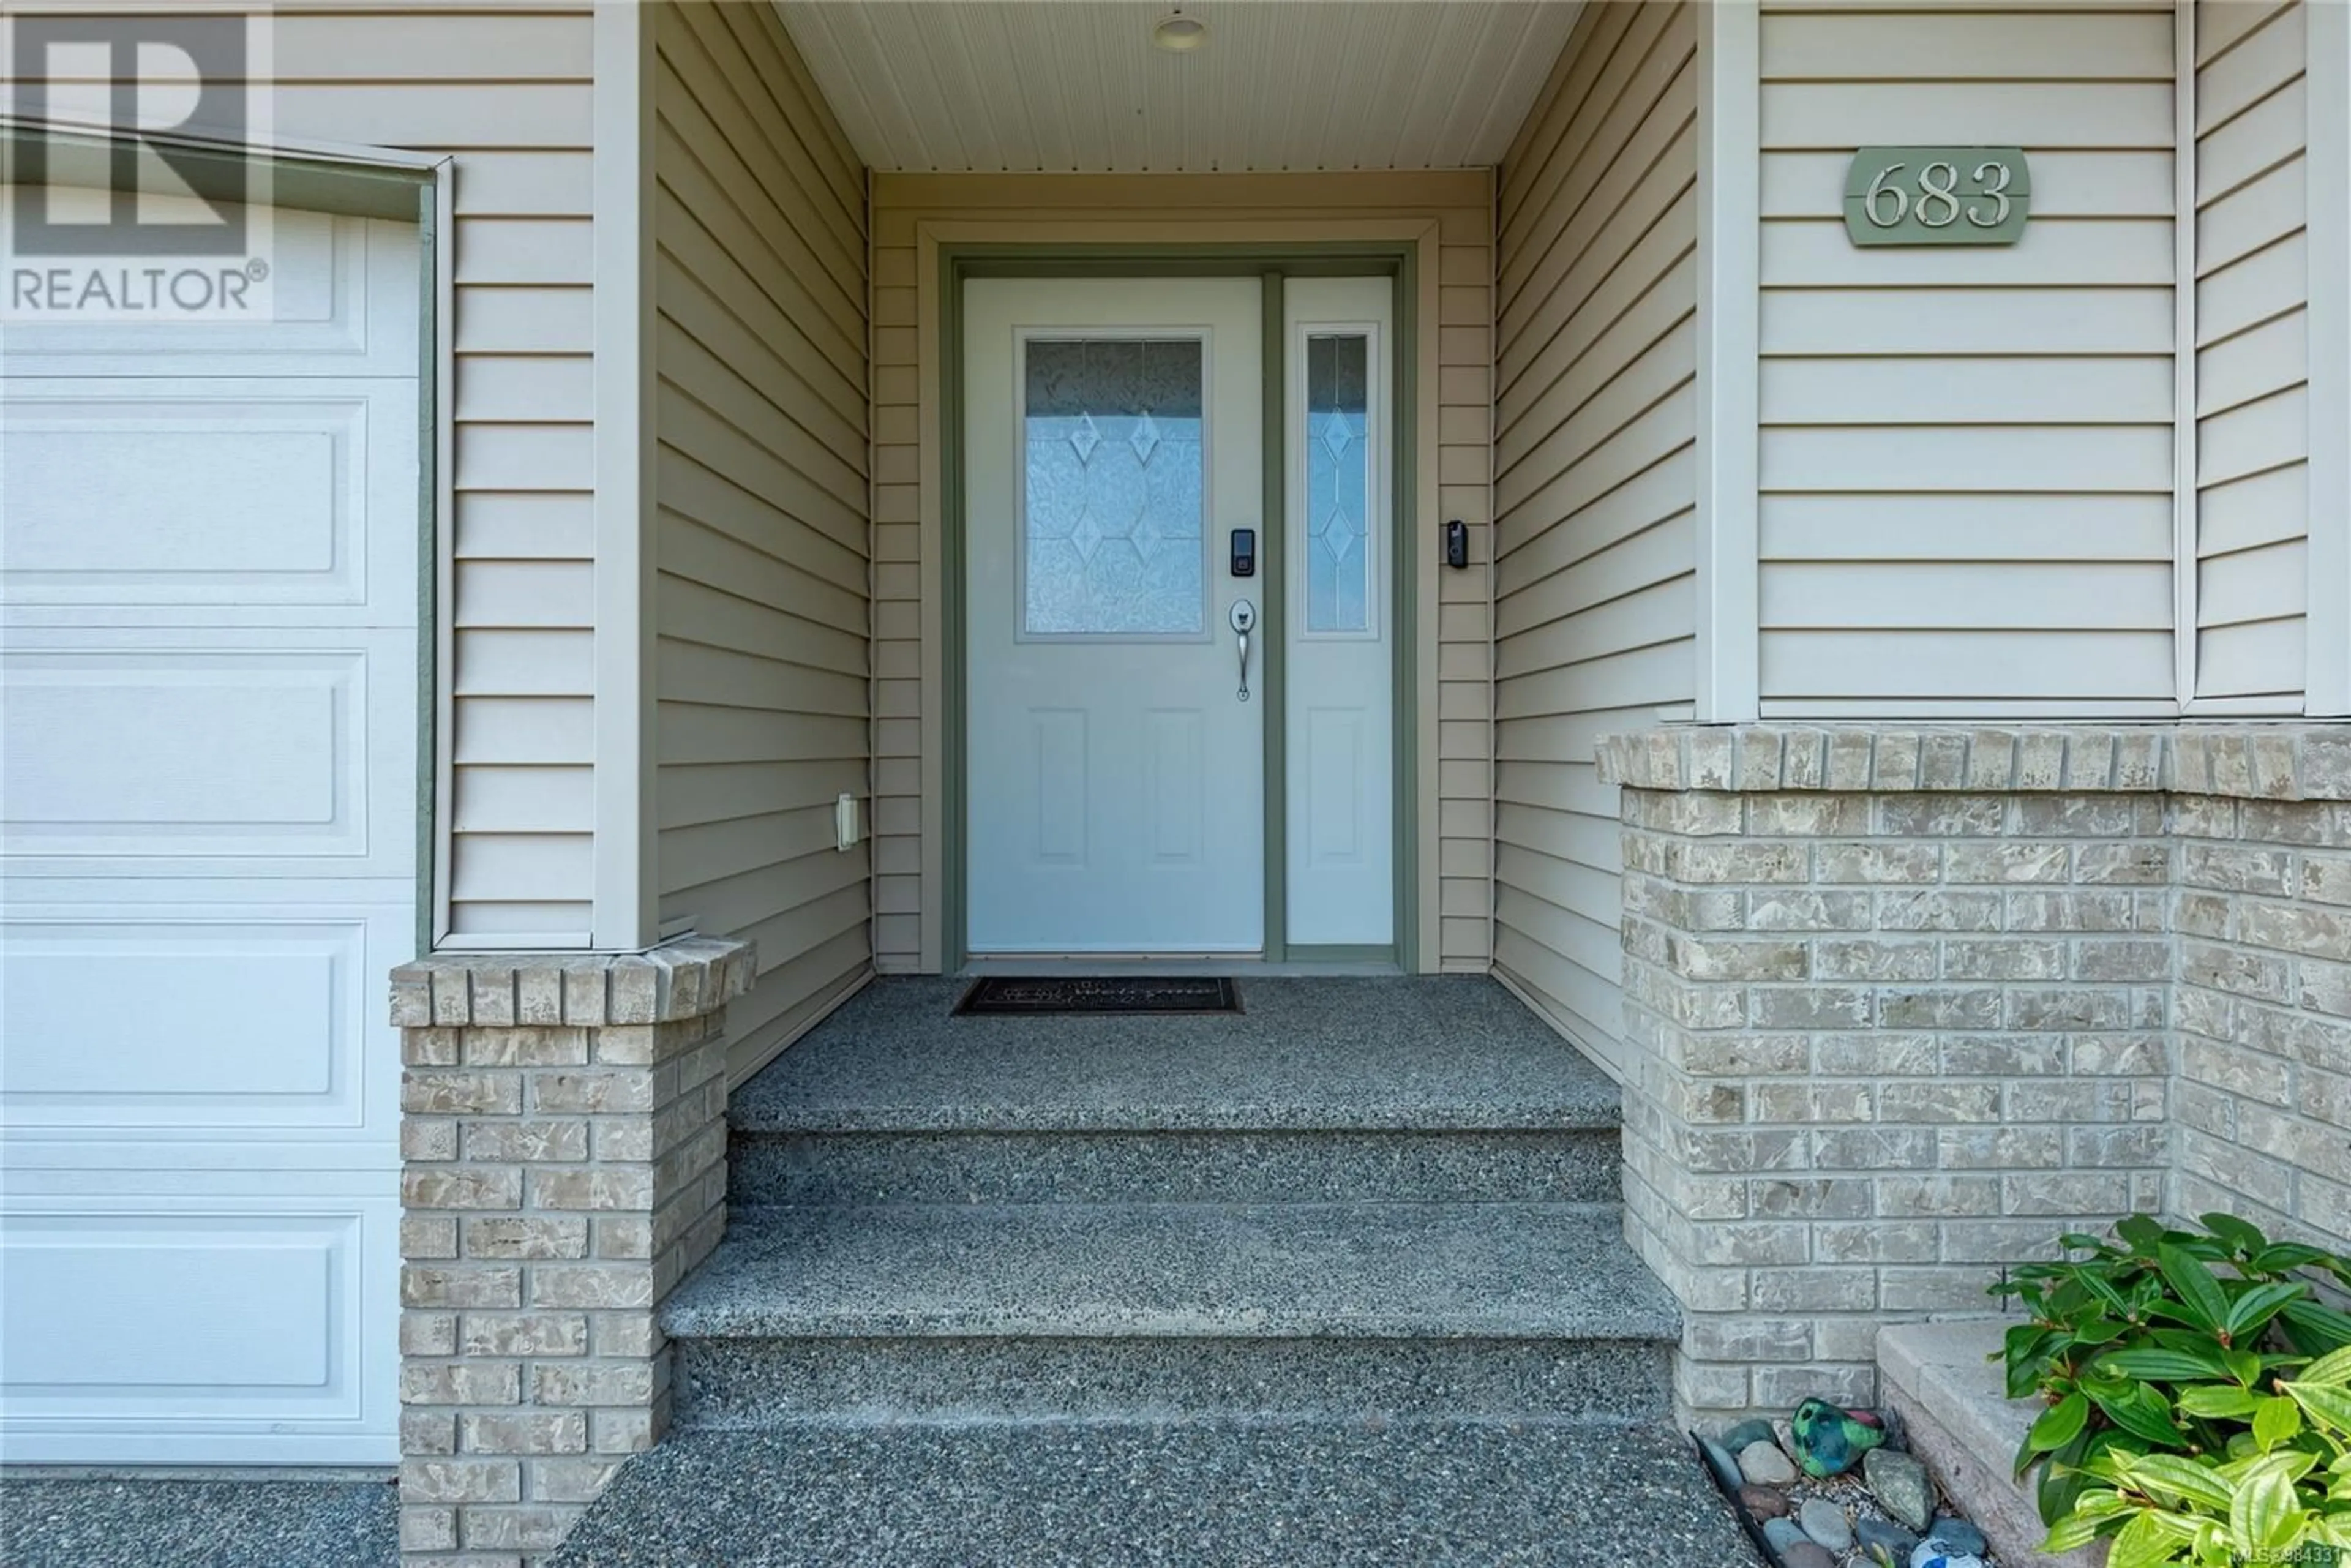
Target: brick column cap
x=2294, y=761
x=677, y=980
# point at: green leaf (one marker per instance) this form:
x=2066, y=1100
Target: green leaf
x=2333, y=1368
x=2100, y=1330
x=2284, y=1256
x=2240, y=1235
x=2143, y=1543
x=2206, y=1304
x=2218, y=1402
x=2075, y=1530
x=2329, y=1406
x=2144, y=1411
x=2278, y=1420
x=2179, y=1478
x=2061, y=1424
x=2101, y=1503
x=2170, y=1365
x=2142, y=1231
x=2264, y=1513
x=2251, y=1312
x=2315, y=1328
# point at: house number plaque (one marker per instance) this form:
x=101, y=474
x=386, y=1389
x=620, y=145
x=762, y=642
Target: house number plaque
x=1937, y=196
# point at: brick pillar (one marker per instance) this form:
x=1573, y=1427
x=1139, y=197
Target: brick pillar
x=1896, y=1015
x=563, y=1129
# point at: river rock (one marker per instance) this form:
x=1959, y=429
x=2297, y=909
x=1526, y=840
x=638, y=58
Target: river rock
x=1755, y=1430
x=1824, y=1522
x=1898, y=1542
x=1782, y=1533
x=1807, y=1555
x=1720, y=1461
x=1766, y=1466
x=1900, y=1483
x=1763, y=1503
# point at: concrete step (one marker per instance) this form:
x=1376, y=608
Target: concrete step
x=1170, y=1310
x=1953, y=1399
x=1323, y=1495
x=1436, y=1090
x=1576, y=1166
x=1436, y=1054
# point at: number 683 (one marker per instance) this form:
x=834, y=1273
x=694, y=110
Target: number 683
x=1939, y=202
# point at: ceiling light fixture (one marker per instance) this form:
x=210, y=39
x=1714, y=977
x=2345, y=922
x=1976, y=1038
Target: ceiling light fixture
x=1179, y=33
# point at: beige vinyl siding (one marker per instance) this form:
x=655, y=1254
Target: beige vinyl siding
x=761, y=607
x=506, y=90
x=1966, y=453
x=1195, y=208
x=1594, y=486
x=2252, y=417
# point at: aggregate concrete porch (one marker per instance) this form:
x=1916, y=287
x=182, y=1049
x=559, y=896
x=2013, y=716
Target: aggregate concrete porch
x=1338, y=1279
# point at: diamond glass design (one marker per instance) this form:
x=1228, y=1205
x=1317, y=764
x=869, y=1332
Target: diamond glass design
x=1338, y=484
x=1112, y=539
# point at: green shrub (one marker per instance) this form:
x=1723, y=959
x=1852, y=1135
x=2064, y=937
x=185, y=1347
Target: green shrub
x=2164, y=1343
x=2281, y=1494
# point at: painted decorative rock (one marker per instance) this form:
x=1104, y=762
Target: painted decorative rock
x=1959, y=1535
x=1824, y=1522
x=1828, y=1439
x=1933, y=1553
x=1765, y=1465
x=1900, y=1483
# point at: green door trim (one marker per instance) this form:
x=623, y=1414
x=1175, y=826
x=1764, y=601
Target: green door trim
x=1396, y=259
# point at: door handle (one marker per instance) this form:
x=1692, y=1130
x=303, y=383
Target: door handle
x=1244, y=621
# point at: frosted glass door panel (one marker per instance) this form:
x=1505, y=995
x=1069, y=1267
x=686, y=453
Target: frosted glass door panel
x=1339, y=548
x=1113, y=540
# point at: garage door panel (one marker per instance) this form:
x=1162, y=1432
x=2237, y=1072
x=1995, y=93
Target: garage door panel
x=226, y=496
x=184, y=753
x=269, y=1305
x=155, y=752
x=80, y=1050
x=209, y=771
x=345, y=303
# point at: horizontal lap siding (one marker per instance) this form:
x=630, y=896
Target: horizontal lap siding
x=762, y=603
x=2253, y=421
x=1967, y=459
x=1220, y=207
x=506, y=90
x=1595, y=487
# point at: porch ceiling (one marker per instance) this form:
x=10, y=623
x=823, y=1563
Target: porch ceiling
x=1025, y=86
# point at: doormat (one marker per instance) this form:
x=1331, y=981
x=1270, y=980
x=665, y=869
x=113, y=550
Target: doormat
x=997, y=995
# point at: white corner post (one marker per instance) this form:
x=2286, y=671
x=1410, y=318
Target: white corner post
x=2328, y=161
x=1730, y=268
x=2186, y=502
x=625, y=913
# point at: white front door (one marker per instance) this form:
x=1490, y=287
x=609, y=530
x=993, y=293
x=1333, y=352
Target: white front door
x=1112, y=442
x=208, y=741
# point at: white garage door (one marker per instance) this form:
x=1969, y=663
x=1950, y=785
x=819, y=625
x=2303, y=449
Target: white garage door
x=208, y=709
